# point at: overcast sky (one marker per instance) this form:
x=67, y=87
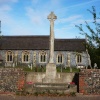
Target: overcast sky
x=29, y=17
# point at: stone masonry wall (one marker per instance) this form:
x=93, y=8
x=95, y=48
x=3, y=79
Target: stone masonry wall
x=89, y=81
x=36, y=52
x=11, y=79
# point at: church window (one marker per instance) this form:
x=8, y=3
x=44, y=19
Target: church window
x=25, y=56
x=79, y=58
x=9, y=56
x=42, y=56
x=60, y=58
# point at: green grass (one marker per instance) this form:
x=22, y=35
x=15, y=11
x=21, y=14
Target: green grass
x=39, y=69
x=34, y=69
x=67, y=70
x=25, y=68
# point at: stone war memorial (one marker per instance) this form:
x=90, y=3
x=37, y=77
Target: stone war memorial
x=31, y=64
x=51, y=80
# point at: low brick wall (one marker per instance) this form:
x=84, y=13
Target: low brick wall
x=89, y=81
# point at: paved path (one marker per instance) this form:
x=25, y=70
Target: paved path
x=11, y=97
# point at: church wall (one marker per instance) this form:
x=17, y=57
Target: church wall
x=38, y=63
x=31, y=57
x=3, y=53
x=72, y=59
x=63, y=60
x=20, y=55
x=85, y=59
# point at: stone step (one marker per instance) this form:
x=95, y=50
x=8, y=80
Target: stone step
x=60, y=84
x=50, y=88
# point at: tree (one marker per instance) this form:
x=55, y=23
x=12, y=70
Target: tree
x=93, y=37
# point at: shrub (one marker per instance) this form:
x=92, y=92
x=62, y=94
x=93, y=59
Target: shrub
x=72, y=94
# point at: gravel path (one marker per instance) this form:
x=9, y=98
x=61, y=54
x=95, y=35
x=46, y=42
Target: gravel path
x=12, y=97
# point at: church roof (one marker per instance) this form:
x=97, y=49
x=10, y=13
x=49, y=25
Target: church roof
x=40, y=43
x=70, y=44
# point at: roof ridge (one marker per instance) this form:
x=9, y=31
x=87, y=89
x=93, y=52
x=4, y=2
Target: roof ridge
x=68, y=39
x=28, y=36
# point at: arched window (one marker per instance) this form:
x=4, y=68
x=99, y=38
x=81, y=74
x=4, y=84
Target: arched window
x=79, y=58
x=42, y=57
x=59, y=58
x=9, y=56
x=25, y=56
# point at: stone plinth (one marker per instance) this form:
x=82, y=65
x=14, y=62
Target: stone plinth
x=37, y=77
x=51, y=73
x=44, y=82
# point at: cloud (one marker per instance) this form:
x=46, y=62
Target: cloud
x=7, y=1
x=55, y=2
x=77, y=5
x=33, y=15
x=36, y=13
x=5, y=16
x=64, y=28
x=68, y=25
x=69, y=19
x=82, y=21
x=5, y=8
x=39, y=10
x=23, y=30
x=35, y=1
x=36, y=16
x=5, y=5
x=7, y=22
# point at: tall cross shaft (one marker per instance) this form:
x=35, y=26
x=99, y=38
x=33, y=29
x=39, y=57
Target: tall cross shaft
x=52, y=18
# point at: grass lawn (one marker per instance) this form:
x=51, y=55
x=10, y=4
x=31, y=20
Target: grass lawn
x=43, y=69
x=67, y=70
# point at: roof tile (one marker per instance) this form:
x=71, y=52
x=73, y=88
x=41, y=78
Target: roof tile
x=40, y=43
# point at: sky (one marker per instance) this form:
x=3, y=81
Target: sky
x=29, y=17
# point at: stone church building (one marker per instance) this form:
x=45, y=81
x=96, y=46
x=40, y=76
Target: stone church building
x=35, y=50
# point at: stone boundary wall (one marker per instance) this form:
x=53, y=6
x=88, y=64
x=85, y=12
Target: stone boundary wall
x=89, y=81
x=11, y=80
x=14, y=79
